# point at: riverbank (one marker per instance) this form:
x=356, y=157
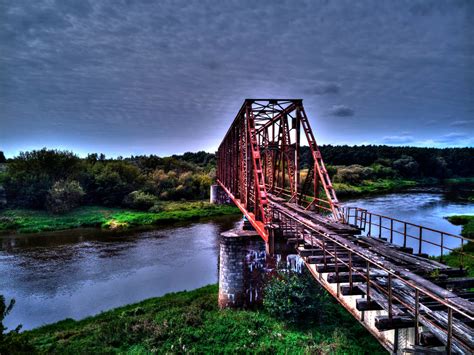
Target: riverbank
x=368, y=187
x=31, y=221
x=452, y=259
x=380, y=186
x=191, y=322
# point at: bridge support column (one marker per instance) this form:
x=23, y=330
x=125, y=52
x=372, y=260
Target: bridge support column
x=217, y=195
x=231, y=270
x=270, y=245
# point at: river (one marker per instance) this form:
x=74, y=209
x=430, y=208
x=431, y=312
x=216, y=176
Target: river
x=77, y=273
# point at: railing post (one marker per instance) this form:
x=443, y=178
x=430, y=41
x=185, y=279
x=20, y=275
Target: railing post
x=405, y=235
x=370, y=223
x=417, y=313
x=368, y=282
x=380, y=226
x=391, y=231
x=324, y=251
x=390, y=312
x=350, y=272
x=420, y=240
x=442, y=247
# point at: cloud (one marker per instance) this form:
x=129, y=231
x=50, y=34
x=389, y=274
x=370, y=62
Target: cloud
x=400, y=139
x=324, y=88
x=453, y=138
x=460, y=123
x=341, y=111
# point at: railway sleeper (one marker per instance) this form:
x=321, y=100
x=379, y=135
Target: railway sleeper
x=347, y=291
x=383, y=323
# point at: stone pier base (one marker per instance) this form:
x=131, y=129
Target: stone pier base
x=217, y=195
x=231, y=269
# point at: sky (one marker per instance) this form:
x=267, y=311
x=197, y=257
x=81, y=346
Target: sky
x=163, y=77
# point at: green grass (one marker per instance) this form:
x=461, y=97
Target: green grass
x=191, y=322
x=453, y=259
x=30, y=221
x=373, y=186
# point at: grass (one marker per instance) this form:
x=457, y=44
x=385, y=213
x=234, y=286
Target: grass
x=191, y=322
x=453, y=259
x=373, y=187
x=30, y=221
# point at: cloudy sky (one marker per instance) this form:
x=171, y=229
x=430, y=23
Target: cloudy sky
x=168, y=76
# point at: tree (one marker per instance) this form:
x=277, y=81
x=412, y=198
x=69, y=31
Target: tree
x=31, y=175
x=407, y=166
x=64, y=196
x=2, y=158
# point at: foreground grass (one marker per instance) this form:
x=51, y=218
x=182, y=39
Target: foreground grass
x=373, y=187
x=29, y=221
x=191, y=322
x=453, y=259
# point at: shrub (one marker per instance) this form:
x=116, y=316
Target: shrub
x=353, y=174
x=64, y=196
x=294, y=297
x=11, y=342
x=140, y=200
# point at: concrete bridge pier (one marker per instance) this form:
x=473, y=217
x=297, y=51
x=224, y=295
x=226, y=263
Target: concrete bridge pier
x=231, y=269
x=217, y=195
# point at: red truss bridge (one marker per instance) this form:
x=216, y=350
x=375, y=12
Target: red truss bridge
x=374, y=265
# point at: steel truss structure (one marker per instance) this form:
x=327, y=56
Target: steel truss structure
x=260, y=155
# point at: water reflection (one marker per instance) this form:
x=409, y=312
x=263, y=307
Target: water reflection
x=82, y=272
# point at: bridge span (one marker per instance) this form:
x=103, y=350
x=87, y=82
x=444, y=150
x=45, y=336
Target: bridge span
x=375, y=266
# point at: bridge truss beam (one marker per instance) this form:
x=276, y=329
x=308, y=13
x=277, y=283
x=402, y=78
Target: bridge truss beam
x=260, y=154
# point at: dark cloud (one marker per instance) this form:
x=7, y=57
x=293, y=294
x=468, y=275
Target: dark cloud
x=169, y=76
x=324, y=88
x=341, y=111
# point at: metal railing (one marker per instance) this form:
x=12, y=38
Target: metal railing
x=444, y=322
x=409, y=235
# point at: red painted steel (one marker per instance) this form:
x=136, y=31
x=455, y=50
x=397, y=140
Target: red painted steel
x=260, y=154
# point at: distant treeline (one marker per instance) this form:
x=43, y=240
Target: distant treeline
x=60, y=180
x=409, y=162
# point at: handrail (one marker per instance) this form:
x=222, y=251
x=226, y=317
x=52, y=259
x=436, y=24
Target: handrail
x=369, y=221
x=392, y=275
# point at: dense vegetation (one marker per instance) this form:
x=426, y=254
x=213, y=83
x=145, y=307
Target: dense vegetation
x=191, y=322
x=59, y=180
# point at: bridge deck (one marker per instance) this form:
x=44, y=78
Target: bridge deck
x=387, y=288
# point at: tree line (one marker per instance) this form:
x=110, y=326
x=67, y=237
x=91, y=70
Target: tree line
x=60, y=180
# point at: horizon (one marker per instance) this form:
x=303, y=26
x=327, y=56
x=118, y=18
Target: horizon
x=83, y=155
x=163, y=78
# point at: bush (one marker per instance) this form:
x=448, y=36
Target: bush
x=140, y=200
x=353, y=174
x=11, y=342
x=64, y=196
x=294, y=297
